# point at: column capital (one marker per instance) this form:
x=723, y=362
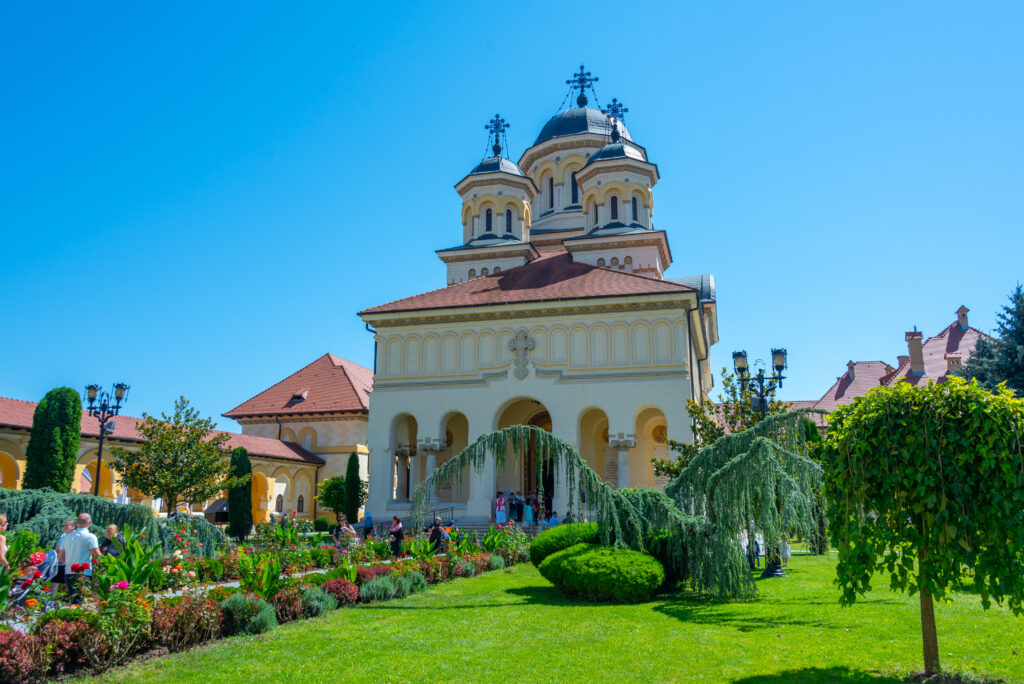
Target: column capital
x=431, y=444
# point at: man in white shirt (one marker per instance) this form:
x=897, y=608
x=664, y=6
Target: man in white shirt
x=78, y=551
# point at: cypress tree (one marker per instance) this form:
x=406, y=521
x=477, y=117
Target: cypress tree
x=52, y=450
x=355, y=489
x=240, y=497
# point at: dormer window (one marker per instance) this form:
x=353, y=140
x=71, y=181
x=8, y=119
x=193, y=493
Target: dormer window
x=488, y=221
x=634, y=208
x=299, y=396
x=508, y=220
x=615, y=208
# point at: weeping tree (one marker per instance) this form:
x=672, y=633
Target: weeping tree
x=763, y=470
x=760, y=479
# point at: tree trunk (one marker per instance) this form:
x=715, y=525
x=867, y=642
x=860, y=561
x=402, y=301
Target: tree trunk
x=929, y=639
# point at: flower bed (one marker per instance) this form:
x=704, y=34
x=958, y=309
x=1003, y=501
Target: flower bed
x=143, y=600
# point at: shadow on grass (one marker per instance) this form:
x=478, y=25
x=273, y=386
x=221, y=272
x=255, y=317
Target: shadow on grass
x=818, y=675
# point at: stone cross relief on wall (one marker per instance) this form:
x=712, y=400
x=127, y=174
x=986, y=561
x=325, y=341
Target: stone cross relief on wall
x=521, y=344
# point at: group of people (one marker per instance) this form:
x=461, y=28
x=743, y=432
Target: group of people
x=516, y=508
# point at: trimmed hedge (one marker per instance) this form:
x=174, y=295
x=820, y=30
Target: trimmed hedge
x=561, y=537
x=44, y=511
x=604, y=573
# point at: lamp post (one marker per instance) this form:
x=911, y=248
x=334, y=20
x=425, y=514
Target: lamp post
x=761, y=387
x=103, y=409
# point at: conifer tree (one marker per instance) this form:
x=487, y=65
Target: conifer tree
x=355, y=489
x=53, y=443
x=1001, y=359
x=240, y=497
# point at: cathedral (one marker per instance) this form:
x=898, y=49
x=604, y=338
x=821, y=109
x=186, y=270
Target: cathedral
x=556, y=312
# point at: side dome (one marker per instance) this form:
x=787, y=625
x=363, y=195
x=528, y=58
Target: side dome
x=578, y=120
x=618, y=150
x=496, y=165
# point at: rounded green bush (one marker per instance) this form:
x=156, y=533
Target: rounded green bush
x=417, y=582
x=604, y=573
x=322, y=524
x=561, y=537
x=467, y=568
x=403, y=586
x=495, y=562
x=380, y=588
x=317, y=602
x=244, y=614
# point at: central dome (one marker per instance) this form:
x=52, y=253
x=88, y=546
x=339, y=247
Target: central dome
x=578, y=120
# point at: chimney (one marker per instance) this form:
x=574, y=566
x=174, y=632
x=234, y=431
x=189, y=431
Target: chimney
x=849, y=371
x=902, y=360
x=961, y=317
x=914, y=339
x=953, y=362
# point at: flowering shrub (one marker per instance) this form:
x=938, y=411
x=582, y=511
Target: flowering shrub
x=321, y=557
x=123, y=624
x=219, y=594
x=364, y=553
x=433, y=570
x=344, y=591
x=65, y=642
x=185, y=621
x=364, y=575
x=21, y=657
x=261, y=575
x=288, y=604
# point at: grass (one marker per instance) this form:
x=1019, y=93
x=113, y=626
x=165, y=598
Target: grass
x=515, y=626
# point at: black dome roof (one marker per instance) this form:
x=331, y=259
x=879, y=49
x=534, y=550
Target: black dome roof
x=618, y=150
x=578, y=120
x=495, y=165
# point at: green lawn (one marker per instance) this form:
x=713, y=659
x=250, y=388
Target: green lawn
x=514, y=626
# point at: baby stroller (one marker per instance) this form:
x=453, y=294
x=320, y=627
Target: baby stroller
x=25, y=588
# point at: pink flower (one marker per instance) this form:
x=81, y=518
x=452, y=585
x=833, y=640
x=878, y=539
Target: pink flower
x=174, y=570
x=121, y=585
x=37, y=558
x=191, y=573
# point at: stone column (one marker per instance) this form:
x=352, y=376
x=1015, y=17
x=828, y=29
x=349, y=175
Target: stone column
x=623, y=442
x=565, y=429
x=402, y=479
x=431, y=467
x=414, y=476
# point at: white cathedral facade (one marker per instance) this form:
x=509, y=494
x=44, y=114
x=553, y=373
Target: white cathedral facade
x=555, y=312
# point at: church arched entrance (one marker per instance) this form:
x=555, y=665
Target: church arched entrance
x=520, y=470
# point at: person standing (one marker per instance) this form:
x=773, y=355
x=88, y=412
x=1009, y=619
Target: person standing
x=109, y=547
x=437, y=535
x=58, y=579
x=367, y=525
x=520, y=505
x=81, y=549
x=499, y=509
x=396, y=534
x=3, y=541
x=528, y=510
x=786, y=552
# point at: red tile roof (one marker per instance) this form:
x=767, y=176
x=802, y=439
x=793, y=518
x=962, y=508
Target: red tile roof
x=866, y=374
x=552, y=276
x=17, y=413
x=951, y=342
x=328, y=385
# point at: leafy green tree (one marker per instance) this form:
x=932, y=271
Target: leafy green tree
x=355, y=489
x=709, y=421
x=926, y=484
x=1002, y=359
x=332, y=496
x=240, y=497
x=53, y=443
x=182, y=459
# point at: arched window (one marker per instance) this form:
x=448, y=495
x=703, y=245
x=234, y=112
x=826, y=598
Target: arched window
x=634, y=208
x=279, y=503
x=484, y=271
x=575, y=189
x=497, y=269
x=488, y=228
x=615, y=261
x=300, y=505
x=508, y=220
x=628, y=261
x=600, y=262
x=615, y=208
x=593, y=213
x=472, y=273
x=551, y=192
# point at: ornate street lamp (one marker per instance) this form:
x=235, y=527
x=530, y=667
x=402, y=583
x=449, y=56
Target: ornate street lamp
x=765, y=385
x=103, y=407
x=761, y=388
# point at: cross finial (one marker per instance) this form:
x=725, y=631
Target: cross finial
x=497, y=127
x=615, y=112
x=581, y=82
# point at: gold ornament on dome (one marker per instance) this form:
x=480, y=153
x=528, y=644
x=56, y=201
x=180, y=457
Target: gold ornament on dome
x=660, y=434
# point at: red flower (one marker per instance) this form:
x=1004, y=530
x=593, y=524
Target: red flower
x=36, y=574
x=85, y=566
x=75, y=567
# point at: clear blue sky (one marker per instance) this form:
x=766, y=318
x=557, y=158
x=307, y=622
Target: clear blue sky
x=197, y=199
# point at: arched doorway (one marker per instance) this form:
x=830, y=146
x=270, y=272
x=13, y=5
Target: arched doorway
x=520, y=470
x=8, y=471
x=260, y=497
x=406, y=470
x=651, y=442
x=455, y=429
x=106, y=488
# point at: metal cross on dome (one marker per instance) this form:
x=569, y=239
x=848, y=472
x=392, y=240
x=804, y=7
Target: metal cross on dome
x=581, y=81
x=497, y=128
x=615, y=109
